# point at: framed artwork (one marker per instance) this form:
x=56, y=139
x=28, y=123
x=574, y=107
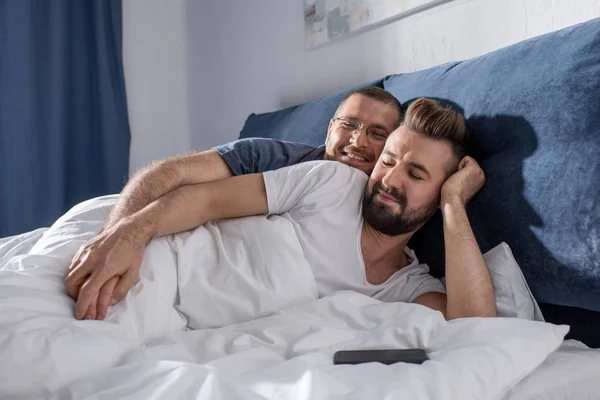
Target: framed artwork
x=327, y=20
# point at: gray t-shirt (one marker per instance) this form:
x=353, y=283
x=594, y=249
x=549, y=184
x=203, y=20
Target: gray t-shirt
x=256, y=155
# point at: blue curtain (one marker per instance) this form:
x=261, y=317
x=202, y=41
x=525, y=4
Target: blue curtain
x=64, y=132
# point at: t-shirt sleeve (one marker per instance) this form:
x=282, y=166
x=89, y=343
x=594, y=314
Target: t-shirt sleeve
x=413, y=282
x=315, y=185
x=256, y=155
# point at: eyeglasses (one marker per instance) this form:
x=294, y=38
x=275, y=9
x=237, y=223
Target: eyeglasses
x=351, y=125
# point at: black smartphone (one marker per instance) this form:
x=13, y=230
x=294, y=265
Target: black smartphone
x=387, y=357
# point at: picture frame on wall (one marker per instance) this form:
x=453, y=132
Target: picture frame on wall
x=328, y=20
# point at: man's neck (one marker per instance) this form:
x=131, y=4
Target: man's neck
x=383, y=255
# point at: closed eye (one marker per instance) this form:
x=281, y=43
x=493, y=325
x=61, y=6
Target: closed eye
x=415, y=177
x=379, y=135
x=386, y=164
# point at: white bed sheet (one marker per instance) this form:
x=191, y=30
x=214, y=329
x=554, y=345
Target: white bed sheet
x=142, y=352
x=571, y=372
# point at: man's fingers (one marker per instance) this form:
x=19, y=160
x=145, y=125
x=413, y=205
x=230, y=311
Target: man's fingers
x=72, y=288
x=104, y=299
x=76, y=258
x=83, y=303
x=464, y=162
x=74, y=279
x=88, y=293
x=79, y=271
x=125, y=284
x=91, y=312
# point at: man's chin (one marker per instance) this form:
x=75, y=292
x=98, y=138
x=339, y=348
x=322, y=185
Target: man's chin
x=389, y=208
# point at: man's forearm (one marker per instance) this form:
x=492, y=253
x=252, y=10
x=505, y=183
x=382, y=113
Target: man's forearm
x=189, y=206
x=144, y=187
x=155, y=181
x=469, y=287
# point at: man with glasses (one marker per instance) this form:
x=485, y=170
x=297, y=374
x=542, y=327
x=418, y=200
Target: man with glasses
x=355, y=136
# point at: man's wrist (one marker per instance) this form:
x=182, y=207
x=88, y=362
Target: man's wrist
x=451, y=200
x=141, y=229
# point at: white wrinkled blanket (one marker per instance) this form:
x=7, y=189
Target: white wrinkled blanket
x=143, y=351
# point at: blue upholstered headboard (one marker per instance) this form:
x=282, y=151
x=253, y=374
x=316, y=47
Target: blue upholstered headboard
x=306, y=123
x=534, y=112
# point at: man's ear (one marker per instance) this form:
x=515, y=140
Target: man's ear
x=329, y=129
x=452, y=167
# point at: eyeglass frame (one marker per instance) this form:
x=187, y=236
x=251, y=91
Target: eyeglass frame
x=358, y=126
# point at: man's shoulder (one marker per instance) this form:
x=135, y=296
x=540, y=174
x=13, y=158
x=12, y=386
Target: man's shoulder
x=268, y=143
x=254, y=155
x=332, y=169
x=323, y=179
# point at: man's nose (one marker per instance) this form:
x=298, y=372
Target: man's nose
x=393, y=179
x=359, y=137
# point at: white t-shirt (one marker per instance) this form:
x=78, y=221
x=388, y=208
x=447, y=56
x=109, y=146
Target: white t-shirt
x=322, y=200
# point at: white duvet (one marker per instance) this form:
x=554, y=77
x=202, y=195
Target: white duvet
x=143, y=350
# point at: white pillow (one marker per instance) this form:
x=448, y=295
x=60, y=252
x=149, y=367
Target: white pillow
x=513, y=297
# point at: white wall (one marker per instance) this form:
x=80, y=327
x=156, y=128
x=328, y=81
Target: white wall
x=245, y=56
x=259, y=62
x=156, y=78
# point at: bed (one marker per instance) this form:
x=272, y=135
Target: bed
x=145, y=351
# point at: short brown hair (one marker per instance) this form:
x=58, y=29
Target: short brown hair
x=376, y=93
x=429, y=118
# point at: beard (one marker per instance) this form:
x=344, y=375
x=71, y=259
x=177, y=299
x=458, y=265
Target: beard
x=383, y=219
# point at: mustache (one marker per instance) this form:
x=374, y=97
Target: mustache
x=392, y=192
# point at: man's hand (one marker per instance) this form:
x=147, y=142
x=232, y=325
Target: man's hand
x=468, y=285
x=464, y=183
x=108, y=266
x=105, y=268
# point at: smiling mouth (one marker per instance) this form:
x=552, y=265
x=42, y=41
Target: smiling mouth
x=355, y=157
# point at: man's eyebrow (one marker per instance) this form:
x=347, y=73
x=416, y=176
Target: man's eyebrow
x=390, y=153
x=378, y=126
x=411, y=163
x=419, y=167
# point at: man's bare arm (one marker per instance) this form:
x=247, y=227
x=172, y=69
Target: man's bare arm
x=153, y=182
x=435, y=300
x=120, y=241
x=468, y=284
x=99, y=278
x=190, y=206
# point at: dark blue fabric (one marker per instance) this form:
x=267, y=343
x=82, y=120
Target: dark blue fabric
x=64, y=133
x=534, y=112
x=254, y=155
x=306, y=123
x=584, y=324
